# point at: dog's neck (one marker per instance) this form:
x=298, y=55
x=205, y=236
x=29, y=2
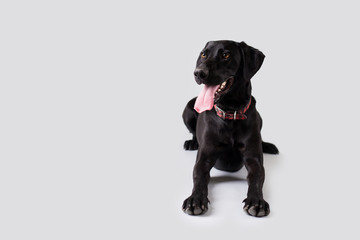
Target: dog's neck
x=237, y=98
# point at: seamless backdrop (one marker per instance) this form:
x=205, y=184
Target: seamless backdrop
x=91, y=135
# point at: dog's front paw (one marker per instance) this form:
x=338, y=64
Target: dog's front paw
x=194, y=205
x=256, y=207
x=191, y=145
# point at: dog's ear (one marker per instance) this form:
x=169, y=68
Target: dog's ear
x=252, y=60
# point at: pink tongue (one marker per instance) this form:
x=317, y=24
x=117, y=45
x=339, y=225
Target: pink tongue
x=205, y=100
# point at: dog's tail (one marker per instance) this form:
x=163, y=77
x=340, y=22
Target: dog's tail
x=269, y=148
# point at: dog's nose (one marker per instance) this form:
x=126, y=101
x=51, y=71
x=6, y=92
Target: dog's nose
x=201, y=74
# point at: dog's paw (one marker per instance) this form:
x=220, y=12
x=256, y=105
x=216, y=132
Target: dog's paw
x=195, y=205
x=256, y=207
x=191, y=144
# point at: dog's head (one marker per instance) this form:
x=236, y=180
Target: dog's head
x=225, y=68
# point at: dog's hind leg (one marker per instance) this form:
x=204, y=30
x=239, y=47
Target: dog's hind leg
x=190, y=119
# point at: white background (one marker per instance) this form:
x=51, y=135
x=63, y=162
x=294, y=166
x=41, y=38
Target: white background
x=91, y=135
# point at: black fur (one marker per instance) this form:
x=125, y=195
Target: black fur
x=227, y=144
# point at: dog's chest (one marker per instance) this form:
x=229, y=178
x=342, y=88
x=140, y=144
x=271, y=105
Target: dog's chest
x=232, y=133
x=225, y=133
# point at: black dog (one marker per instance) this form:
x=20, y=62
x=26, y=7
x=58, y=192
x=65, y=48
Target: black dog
x=225, y=123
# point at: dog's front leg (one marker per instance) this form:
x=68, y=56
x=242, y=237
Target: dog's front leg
x=197, y=203
x=255, y=205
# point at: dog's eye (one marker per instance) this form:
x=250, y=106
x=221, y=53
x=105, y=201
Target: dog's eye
x=203, y=55
x=226, y=55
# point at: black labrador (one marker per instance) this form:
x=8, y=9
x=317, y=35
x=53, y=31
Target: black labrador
x=225, y=123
